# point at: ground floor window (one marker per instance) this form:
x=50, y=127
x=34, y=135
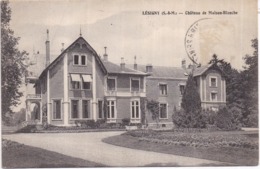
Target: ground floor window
x=163, y=111
x=74, y=109
x=56, y=109
x=135, y=109
x=100, y=109
x=111, y=109
x=85, y=109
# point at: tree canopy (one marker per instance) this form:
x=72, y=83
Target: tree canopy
x=13, y=63
x=242, y=87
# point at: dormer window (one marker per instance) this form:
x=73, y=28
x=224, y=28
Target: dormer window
x=76, y=59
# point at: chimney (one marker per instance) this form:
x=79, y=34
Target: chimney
x=47, y=50
x=183, y=63
x=135, y=64
x=105, y=55
x=122, y=64
x=149, y=68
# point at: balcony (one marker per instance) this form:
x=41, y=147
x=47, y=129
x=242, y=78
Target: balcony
x=33, y=97
x=110, y=93
x=113, y=93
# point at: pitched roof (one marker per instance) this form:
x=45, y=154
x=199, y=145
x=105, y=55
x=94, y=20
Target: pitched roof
x=114, y=68
x=164, y=72
x=89, y=47
x=202, y=69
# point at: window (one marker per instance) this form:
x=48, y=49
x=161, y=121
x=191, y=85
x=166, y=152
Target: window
x=100, y=109
x=80, y=60
x=182, y=88
x=135, y=110
x=86, y=81
x=86, y=85
x=163, y=111
x=134, y=85
x=213, y=96
x=75, y=85
x=83, y=60
x=85, y=109
x=75, y=81
x=74, y=109
x=111, y=84
x=213, y=82
x=76, y=60
x=163, y=89
x=56, y=109
x=111, y=109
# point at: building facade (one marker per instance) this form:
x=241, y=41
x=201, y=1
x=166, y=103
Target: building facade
x=80, y=85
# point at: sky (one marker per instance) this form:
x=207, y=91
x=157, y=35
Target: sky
x=122, y=26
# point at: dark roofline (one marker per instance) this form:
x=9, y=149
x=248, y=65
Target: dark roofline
x=64, y=51
x=207, y=68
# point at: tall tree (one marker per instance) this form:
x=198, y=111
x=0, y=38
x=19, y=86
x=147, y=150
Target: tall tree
x=249, y=81
x=13, y=62
x=191, y=115
x=191, y=99
x=232, y=77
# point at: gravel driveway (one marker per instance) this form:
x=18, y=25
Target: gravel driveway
x=89, y=146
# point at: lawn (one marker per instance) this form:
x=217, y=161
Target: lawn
x=16, y=155
x=240, y=148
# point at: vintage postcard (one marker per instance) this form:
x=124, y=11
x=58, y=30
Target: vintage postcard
x=129, y=83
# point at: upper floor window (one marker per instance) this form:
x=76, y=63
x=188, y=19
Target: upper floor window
x=163, y=89
x=80, y=60
x=75, y=81
x=135, y=85
x=86, y=83
x=213, y=82
x=111, y=84
x=182, y=89
x=163, y=111
x=76, y=59
x=78, y=80
x=83, y=60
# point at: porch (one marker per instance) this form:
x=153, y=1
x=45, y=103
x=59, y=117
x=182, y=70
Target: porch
x=33, y=109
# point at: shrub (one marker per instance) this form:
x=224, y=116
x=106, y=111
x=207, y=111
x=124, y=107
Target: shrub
x=125, y=121
x=181, y=119
x=85, y=123
x=224, y=119
x=100, y=122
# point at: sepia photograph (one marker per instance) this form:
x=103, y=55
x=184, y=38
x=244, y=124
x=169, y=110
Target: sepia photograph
x=129, y=83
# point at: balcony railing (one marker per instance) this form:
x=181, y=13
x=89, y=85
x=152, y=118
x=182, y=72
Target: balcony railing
x=125, y=93
x=33, y=96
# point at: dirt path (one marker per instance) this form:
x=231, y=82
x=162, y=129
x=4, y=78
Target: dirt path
x=89, y=146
